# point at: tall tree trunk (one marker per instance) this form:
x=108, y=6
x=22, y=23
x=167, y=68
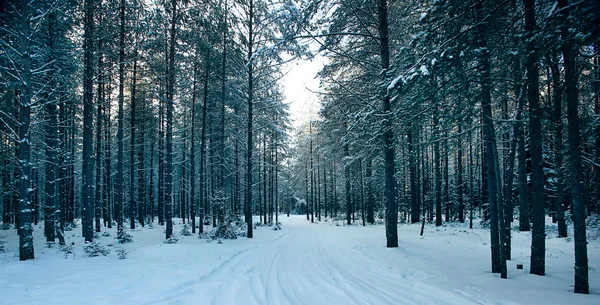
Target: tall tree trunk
x=193, y=202
x=437, y=165
x=141, y=169
x=491, y=160
x=596, y=94
x=414, y=188
x=99, y=125
x=25, y=228
x=459, y=175
x=169, y=141
x=347, y=183
x=161, y=163
x=249, y=145
x=312, y=176
x=120, y=153
x=51, y=122
x=221, y=155
x=509, y=174
x=577, y=179
x=538, y=235
x=446, y=178
x=132, y=139
x=391, y=206
x=325, y=194
x=88, y=145
x=108, y=192
x=276, y=180
x=306, y=190
x=369, y=191
x=203, y=187
x=557, y=94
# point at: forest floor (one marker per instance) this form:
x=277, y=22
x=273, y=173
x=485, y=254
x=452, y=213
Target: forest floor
x=304, y=263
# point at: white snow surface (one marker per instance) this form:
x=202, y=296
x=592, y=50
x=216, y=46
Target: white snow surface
x=304, y=263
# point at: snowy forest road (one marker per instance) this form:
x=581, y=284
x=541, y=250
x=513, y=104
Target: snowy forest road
x=302, y=264
x=306, y=264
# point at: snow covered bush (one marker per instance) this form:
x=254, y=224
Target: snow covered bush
x=2, y=249
x=233, y=228
x=5, y=226
x=124, y=237
x=277, y=226
x=121, y=253
x=93, y=249
x=106, y=234
x=224, y=231
x=68, y=249
x=172, y=240
x=185, y=231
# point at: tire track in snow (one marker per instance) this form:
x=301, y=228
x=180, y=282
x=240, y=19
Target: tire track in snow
x=178, y=291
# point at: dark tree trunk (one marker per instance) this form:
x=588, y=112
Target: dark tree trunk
x=306, y=190
x=141, y=169
x=99, y=125
x=347, y=184
x=369, y=191
x=577, y=178
x=88, y=120
x=459, y=175
x=193, y=202
x=414, y=189
x=557, y=95
x=132, y=139
x=120, y=153
x=221, y=155
x=50, y=194
x=318, y=189
x=250, y=145
x=325, y=195
x=161, y=164
x=312, y=176
x=447, y=202
x=107, y=192
x=169, y=140
x=491, y=160
x=25, y=228
x=50, y=188
x=437, y=165
x=391, y=206
x=538, y=235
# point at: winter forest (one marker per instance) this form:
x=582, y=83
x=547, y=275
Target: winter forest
x=149, y=153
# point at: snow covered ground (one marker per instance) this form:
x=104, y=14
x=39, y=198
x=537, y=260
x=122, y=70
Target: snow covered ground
x=324, y=263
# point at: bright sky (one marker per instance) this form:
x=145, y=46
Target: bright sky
x=298, y=84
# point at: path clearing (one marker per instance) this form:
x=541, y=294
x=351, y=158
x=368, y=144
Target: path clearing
x=302, y=264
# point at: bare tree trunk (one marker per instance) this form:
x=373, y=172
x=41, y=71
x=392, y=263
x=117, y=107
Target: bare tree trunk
x=437, y=165
x=169, y=140
x=120, y=153
x=250, y=144
x=557, y=95
x=132, y=139
x=25, y=228
x=193, y=203
x=579, y=234
x=99, y=125
x=459, y=175
x=88, y=120
x=391, y=206
x=538, y=235
x=491, y=160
